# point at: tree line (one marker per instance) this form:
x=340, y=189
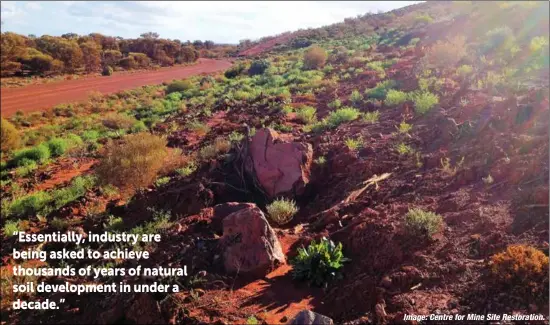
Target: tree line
x=70, y=53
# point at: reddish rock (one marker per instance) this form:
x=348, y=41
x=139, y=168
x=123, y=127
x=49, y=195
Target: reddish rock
x=280, y=167
x=307, y=317
x=249, y=243
x=220, y=211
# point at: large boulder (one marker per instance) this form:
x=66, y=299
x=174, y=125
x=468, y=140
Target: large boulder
x=249, y=243
x=280, y=167
x=307, y=317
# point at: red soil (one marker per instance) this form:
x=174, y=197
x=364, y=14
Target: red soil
x=62, y=174
x=265, y=46
x=37, y=97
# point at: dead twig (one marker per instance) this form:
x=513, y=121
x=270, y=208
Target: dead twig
x=328, y=215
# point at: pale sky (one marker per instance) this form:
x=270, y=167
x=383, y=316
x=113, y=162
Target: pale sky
x=220, y=21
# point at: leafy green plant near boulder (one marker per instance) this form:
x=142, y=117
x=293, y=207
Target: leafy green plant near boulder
x=320, y=263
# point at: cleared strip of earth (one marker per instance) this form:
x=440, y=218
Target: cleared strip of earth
x=42, y=96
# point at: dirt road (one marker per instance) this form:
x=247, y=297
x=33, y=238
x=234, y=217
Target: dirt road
x=37, y=97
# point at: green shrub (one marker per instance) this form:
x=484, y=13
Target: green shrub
x=9, y=136
x=335, y=104
x=258, y=67
x=39, y=153
x=317, y=127
x=306, y=114
x=107, y=71
x=320, y=161
x=35, y=203
x=236, y=136
x=179, y=86
x=422, y=223
x=353, y=144
x=345, y=114
x=378, y=67
x=57, y=146
x=234, y=71
x=133, y=163
x=26, y=168
x=199, y=128
x=114, y=224
x=320, y=263
x=404, y=127
x=90, y=135
x=187, y=170
x=464, y=70
x=371, y=117
x=252, y=321
x=314, y=58
x=282, y=210
x=414, y=41
x=10, y=228
x=79, y=186
x=404, y=149
x=538, y=44
x=423, y=19
x=162, y=181
x=381, y=90
x=356, y=97
x=424, y=101
x=499, y=38
x=212, y=151
x=395, y=97
x=59, y=223
x=300, y=42
x=116, y=121
x=108, y=190
x=139, y=126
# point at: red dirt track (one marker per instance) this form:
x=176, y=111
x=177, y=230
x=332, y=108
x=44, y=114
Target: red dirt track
x=38, y=97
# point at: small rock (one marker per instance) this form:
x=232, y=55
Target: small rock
x=380, y=312
x=249, y=243
x=386, y=282
x=307, y=317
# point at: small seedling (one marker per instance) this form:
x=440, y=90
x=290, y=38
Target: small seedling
x=404, y=127
x=354, y=144
x=371, y=117
x=320, y=161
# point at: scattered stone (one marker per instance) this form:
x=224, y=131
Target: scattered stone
x=249, y=243
x=386, y=282
x=307, y=317
x=380, y=312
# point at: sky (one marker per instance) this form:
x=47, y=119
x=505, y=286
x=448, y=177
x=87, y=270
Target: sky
x=221, y=22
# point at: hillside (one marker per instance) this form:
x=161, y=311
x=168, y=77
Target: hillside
x=415, y=140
